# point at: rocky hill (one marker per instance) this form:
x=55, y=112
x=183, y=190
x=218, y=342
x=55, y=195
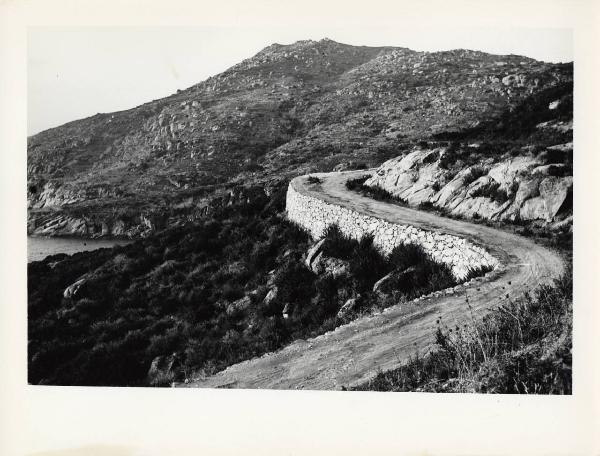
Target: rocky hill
x=289, y=110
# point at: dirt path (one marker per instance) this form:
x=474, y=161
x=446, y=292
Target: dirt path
x=355, y=352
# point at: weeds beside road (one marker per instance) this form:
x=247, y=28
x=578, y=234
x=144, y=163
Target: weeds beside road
x=521, y=347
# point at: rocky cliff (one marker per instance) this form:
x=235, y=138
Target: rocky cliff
x=288, y=110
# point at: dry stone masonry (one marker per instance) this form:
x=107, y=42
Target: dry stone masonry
x=316, y=215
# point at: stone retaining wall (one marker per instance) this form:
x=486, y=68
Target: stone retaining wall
x=316, y=215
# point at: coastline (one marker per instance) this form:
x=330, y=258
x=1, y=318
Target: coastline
x=41, y=247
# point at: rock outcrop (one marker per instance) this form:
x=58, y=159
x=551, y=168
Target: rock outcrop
x=518, y=188
x=71, y=291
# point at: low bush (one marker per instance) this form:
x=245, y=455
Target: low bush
x=337, y=244
x=474, y=173
x=421, y=274
x=358, y=183
x=520, y=347
x=378, y=193
x=477, y=272
x=493, y=191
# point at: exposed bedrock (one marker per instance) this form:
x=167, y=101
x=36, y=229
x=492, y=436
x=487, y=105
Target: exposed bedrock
x=522, y=188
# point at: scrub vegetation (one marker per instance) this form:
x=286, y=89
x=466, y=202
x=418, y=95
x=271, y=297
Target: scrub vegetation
x=192, y=300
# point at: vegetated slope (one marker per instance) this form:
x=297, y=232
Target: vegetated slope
x=354, y=353
x=193, y=300
x=288, y=110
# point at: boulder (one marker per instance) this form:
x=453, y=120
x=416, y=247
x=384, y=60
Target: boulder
x=315, y=265
x=506, y=172
x=271, y=279
x=514, y=80
x=271, y=296
x=71, y=290
x=556, y=192
x=238, y=306
x=412, y=177
x=119, y=228
x=313, y=252
x=527, y=189
x=533, y=209
x=383, y=283
x=479, y=207
x=454, y=190
x=332, y=266
x=348, y=306
x=318, y=263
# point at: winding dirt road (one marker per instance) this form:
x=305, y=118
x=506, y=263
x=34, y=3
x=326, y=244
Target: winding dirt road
x=353, y=353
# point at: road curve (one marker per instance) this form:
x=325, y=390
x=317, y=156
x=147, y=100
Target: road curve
x=353, y=353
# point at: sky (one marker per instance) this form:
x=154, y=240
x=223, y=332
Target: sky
x=76, y=72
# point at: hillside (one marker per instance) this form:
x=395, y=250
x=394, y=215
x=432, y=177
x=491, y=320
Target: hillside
x=288, y=110
x=223, y=287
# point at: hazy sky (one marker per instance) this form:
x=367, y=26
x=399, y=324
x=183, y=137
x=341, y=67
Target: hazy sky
x=78, y=72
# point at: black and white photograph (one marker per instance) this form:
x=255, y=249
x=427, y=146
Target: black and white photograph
x=319, y=215
x=328, y=207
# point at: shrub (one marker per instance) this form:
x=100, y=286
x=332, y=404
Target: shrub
x=358, y=183
x=378, y=193
x=493, y=192
x=404, y=256
x=474, y=173
x=477, y=272
x=337, y=244
x=367, y=264
x=426, y=206
x=520, y=347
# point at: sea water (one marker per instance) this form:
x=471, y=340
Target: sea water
x=39, y=248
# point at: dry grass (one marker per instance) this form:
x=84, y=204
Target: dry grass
x=521, y=347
